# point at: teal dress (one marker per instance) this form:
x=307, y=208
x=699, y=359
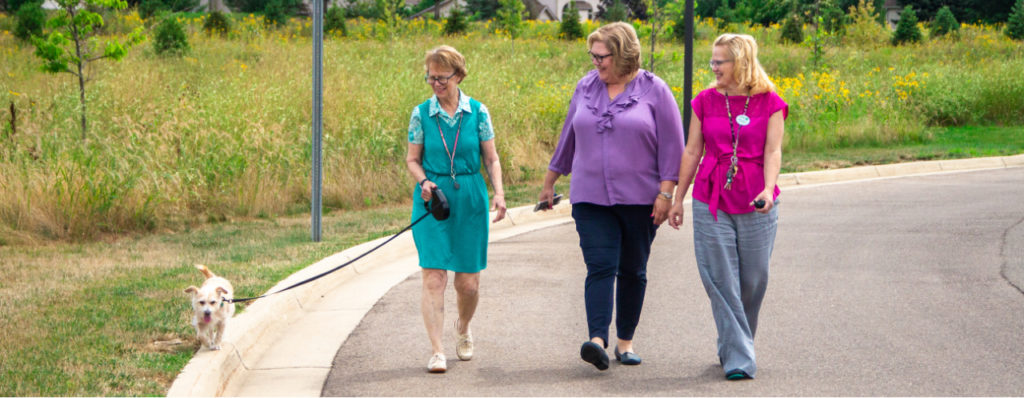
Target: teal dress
x=459, y=243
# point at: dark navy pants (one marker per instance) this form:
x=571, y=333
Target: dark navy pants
x=616, y=242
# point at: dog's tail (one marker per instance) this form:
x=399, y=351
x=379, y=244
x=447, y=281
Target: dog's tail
x=206, y=271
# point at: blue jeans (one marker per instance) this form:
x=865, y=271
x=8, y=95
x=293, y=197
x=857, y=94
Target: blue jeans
x=616, y=242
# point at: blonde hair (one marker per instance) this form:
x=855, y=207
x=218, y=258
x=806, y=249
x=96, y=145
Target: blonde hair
x=747, y=71
x=446, y=57
x=621, y=40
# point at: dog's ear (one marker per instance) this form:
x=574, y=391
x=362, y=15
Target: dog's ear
x=222, y=290
x=192, y=290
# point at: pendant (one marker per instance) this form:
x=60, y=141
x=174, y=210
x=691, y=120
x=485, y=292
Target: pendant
x=742, y=120
x=456, y=183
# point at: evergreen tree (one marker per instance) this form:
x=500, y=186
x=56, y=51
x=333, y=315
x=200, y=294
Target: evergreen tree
x=334, y=21
x=482, y=9
x=570, y=28
x=170, y=38
x=944, y=23
x=907, y=30
x=456, y=23
x=792, y=31
x=617, y=12
x=510, y=17
x=1015, y=25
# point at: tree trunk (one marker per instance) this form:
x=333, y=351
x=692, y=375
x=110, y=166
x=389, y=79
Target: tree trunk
x=80, y=63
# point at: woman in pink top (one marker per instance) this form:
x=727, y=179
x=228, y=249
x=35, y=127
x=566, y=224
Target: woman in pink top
x=737, y=126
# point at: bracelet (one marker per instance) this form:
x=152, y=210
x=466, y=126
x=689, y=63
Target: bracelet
x=665, y=195
x=423, y=181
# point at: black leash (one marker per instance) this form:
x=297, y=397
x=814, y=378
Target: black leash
x=438, y=208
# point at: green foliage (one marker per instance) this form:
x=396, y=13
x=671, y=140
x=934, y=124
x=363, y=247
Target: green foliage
x=455, y=23
x=482, y=10
x=907, y=30
x=217, y=23
x=334, y=21
x=277, y=12
x=1015, y=25
x=148, y=8
x=13, y=6
x=570, y=28
x=510, y=17
x=792, y=31
x=170, y=38
x=834, y=20
x=616, y=12
x=30, y=20
x=864, y=30
x=944, y=23
x=71, y=44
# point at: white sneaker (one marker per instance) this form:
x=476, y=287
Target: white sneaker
x=464, y=343
x=437, y=364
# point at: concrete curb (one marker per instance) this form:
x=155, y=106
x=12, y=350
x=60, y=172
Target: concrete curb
x=284, y=345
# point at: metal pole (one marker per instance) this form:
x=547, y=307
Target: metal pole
x=318, y=108
x=688, y=76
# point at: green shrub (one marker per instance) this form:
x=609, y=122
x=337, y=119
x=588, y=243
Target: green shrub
x=617, y=12
x=792, y=31
x=276, y=13
x=1015, y=25
x=907, y=30
x=148, y=8
x=456, y=23
x=864, y=29
x=834, y=20
x=944, y=23
x=170, y=38
x=334, y=21
x=217, y=23
x=570, y=28
x=30, y=20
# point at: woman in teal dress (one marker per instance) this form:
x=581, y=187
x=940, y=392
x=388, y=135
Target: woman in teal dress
x=448, y=135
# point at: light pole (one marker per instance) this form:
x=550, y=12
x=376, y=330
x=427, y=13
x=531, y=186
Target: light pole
x=318, y=108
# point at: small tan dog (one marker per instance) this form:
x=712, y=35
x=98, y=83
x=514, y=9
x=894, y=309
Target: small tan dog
x=211, y=308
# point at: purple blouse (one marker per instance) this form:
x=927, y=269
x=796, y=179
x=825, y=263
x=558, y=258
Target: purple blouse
x=709, y=106
x=620, y=150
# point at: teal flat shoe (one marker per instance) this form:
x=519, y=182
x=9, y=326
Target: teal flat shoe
x=737, y=374
x=627, y=358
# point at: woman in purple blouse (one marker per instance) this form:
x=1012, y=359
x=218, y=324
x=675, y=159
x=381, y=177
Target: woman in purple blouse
x=621, y=141
x=737, y=126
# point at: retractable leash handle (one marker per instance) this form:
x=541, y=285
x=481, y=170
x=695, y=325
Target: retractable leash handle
x=437, y=207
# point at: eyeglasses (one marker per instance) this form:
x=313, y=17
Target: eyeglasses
x=438, y=79
x=714, y=63
x=598, y=58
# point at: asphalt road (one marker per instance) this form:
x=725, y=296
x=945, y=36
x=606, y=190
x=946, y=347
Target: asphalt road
x=883, y=287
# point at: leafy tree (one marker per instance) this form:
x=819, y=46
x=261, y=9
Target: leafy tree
x=944, y=23
x=617, y=12
x=29, y=20
x=334, y=21
x=148, y=8
x=72, y=44
x=907, y=30
x=217, y=23
x=864, y=29
x=277, y=12
x=14, y=5
x=483, y=9
x=792, y=30
x=456, y=23
x=170, y=38
x=834, y=20
x=510, y=17
x=987, y=11
x=570, y=28
x=1015, y=25
x=634, y=9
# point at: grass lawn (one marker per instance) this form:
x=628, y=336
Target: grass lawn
x=110, y=318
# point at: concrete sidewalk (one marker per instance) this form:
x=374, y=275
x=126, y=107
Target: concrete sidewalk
x=284, y=345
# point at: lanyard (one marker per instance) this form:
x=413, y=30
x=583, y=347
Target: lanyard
x=742, y=120
x=451, y=154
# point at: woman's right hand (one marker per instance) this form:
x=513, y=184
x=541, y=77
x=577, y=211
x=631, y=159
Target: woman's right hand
x=675, y=215
x=425, y=191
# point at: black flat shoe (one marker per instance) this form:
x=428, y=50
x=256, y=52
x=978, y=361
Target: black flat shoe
x=627, y=358
x=595, y=354
x=737, y=374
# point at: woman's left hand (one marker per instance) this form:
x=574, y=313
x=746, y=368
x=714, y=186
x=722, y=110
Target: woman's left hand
x=766, y=196
x=499, y=205
x=661, y=208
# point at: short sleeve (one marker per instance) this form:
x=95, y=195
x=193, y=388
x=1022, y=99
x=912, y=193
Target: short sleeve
x=698, y=105
x=415, y=127
x=778, y=104
x=485, y=129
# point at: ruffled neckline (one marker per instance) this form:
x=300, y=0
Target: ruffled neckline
x=630, y=96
